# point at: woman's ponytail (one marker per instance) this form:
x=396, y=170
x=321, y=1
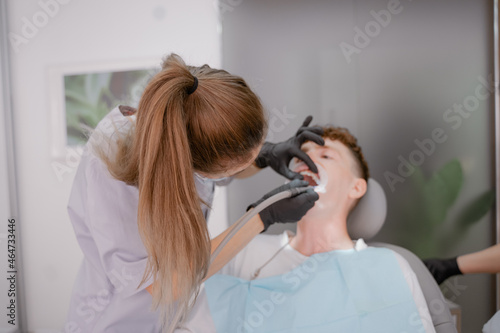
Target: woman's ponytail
x=170, y=218
x=177, y=132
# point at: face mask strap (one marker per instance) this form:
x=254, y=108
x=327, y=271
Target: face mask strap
x=206, y=179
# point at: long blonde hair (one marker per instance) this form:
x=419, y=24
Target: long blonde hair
x=220, y=124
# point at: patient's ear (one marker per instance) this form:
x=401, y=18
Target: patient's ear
x=359, y=188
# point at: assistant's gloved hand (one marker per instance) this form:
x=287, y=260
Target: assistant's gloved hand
x=279, y=155
x=442, y=269
x=289, y=209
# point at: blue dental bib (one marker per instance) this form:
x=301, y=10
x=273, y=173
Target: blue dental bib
x=339, y=291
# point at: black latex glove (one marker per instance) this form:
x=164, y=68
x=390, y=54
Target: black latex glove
x=279, y=155
x=289, y=209
x=442, y=269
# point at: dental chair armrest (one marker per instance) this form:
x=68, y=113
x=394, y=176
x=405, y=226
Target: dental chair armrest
x=438, y=309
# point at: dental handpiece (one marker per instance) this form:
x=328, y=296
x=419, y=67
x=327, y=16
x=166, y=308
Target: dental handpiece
x=321, y=177
x=251, y=213
x=298, y=190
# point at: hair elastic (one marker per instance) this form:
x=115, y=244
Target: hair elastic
x=193, y=88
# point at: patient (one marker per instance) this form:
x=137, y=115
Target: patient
x=317, y=280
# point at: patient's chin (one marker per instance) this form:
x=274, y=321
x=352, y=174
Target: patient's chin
x=325, y=206
x=320, y=207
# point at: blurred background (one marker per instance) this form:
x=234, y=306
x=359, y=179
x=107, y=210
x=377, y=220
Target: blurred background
x=411, y=79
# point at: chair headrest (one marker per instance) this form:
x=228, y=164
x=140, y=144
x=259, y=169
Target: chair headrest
x=368, y=217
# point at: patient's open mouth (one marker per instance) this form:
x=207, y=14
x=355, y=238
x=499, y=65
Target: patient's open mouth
x=311, y=178
x=317, y=180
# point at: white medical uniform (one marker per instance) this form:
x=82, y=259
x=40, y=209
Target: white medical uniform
x=493, y=325
x=258, y=253
x=103, y=212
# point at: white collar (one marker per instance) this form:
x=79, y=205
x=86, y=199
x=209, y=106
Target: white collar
x=359, y=244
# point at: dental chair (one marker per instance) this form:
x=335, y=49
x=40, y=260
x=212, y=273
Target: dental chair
x=365, y=222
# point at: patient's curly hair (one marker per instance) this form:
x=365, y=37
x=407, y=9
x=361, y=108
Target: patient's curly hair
x=343, y=135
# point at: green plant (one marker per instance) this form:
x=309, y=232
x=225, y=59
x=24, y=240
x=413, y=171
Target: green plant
x=426, y=205
x=89, y=97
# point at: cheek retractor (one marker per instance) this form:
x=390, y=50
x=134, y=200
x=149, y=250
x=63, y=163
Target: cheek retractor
x=323, y=180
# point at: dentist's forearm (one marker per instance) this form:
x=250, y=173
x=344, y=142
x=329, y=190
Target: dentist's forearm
x=251, y=229
x=485, y=261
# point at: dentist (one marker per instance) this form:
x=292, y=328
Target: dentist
x=143, y=190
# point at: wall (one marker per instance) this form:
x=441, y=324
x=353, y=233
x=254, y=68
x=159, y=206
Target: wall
x=391, y=85
x=79, y=32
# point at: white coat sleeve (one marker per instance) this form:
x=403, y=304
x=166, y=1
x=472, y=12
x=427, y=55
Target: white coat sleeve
x=111, y=216
x=493, y=325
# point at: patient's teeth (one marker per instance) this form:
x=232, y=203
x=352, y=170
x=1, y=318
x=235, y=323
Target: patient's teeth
x=310, y=174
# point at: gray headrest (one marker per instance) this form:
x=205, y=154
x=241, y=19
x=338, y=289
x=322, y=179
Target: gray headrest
x=368, y=217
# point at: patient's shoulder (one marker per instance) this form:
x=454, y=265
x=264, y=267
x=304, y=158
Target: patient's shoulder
x=402, y=262
x=383, y=251
x=267, y=239
x=264, y=243
x=252, y=254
